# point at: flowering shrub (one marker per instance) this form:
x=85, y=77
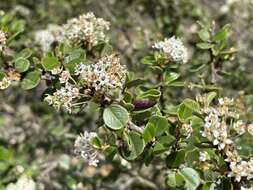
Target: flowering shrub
x=172, y=114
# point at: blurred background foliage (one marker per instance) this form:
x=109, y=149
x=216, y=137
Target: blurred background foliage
x=38, y=141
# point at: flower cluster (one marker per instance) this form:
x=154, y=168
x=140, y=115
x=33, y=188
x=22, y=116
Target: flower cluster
x=3, y=40
x=241, y=169
x=84, y=148
x=63, y=97
x=4, y=83
x=187, y=130
x=173, y=48
x=217, y=131
x=86, y=29
x=241, y=127
x=45, y=38
x=22, y=183
x=104, y=76
x=9, y=77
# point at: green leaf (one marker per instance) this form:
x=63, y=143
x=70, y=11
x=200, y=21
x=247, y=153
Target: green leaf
x=211, y=96
x=152, y=93
x=5, y=154
x=170, y=77
x=135, y=82
x=96, y=142
x=115, y=116
x=174, y=180
x=159, y=148
x=49, y=63
x=193, y=105
x=2, y=75
x=204, y=34
x=186, y=109
x=222, y=34
x=149, y=132
x=197, y=67
x=148, y=60
x=204, y=45
x=22, y=64
x=192, y=157
x=160, y=124
x=31, y=80
x=136, y=145
x=110, y=153
x=191, y=177
x=175, y=159
x=166, y=140
x=184, y=112
x=25, y=53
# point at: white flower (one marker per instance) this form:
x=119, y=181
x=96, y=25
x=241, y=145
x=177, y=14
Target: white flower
x=187, y=130
x=173, y=48
x=202, y=156
x=250, y=128
x=64, y=77
x=23, y=183
x=56, y=71
x=240, y=127
x=86, y=29
x=85, y=150
x=45, y=38
x=63, y=97
x=4, y=83
x=3, y=40
x=103, y=76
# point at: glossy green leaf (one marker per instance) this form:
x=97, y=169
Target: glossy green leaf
x=204, y=45
x=149, y=132
x=211, y=96
x=204, y=34
x=160, y=124
x=191, y=177
x=31, y=80
x=49, y=63
x=148, y=60
x=184, y=112
x=136, y=145
x=115, y=116
x=170, y=77
x=193, y=105
x=96, y=142
x=22, y=64
x=152, y=93
x=174, y=180
x=175, y=159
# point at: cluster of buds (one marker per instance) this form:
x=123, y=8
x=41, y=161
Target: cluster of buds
x=45, y=38
x=9, y=77
x=187, y=130
x=85, y=150
x=241, y=127
x=86, y=29
x=3, y=40
x=217, y=131
x=173, y=48
x=103, y=77
x=241, y=169
x=100, y=81
x=64, y=97
x=22, y=183
x=4, y=83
